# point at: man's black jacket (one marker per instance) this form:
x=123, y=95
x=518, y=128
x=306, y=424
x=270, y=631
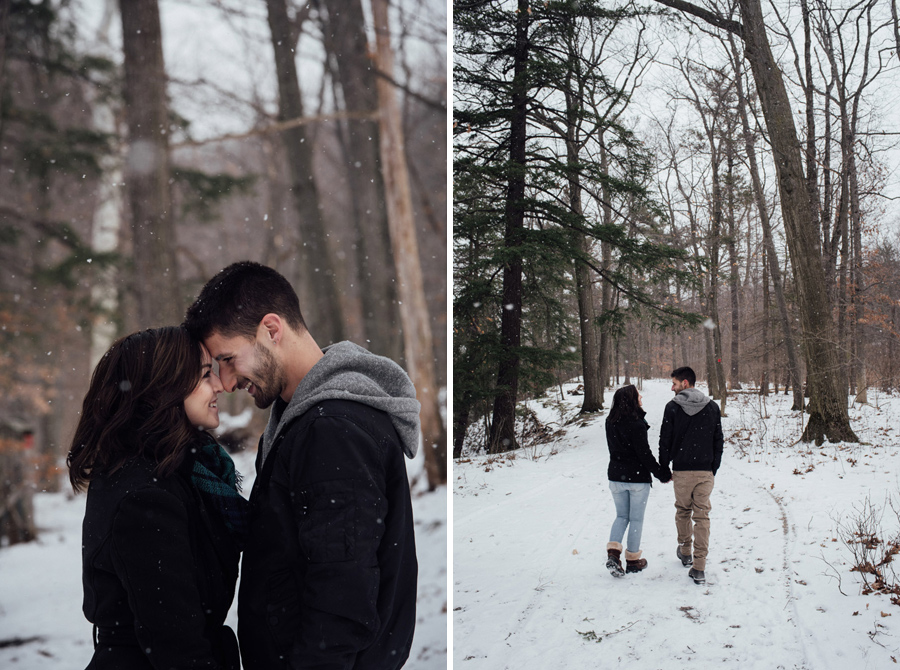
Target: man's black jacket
x=691, y=441
x=328, y=577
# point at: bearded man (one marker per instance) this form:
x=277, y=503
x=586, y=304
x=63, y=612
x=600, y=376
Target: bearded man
x=328, y=577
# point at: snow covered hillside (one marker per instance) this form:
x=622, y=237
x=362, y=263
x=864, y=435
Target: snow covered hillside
x=530, y=529
x=41, y=624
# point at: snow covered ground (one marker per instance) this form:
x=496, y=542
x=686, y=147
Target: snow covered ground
x=41, y=624
x=530, y=529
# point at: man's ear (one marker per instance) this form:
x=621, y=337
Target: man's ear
x=271, y=329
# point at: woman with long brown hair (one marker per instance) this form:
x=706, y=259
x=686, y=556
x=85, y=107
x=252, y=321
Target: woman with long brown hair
x=630, y=465
x=164, y=521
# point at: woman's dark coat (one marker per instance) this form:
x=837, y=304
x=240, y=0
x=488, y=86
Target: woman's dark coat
x=630, y=458
x=159, y=573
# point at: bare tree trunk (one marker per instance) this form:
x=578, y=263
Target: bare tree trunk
x=147, y=173
x=322, y=305
x=714, y=340
x=590, y=364
x=274, y=190
x=859, y=308
x=503, y=437
x=812, y=175
x=828, y=416
x=107, y=223
x=418, y=340
x=734, y=277
x=606, y=291
x=461, y=423
x=793, y=367
x=4, y=31
x=896, y=27
x=629, y=355
x=764, y=378
x=349, y=59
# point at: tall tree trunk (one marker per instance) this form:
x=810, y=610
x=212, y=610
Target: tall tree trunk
x=734, y=277
x=896, y=28
x=107, y=222
x=503, y=437
x=859, y=314
x=147, y=174
x=812, y=175
x=830, y=229
x=764, y=378
x=321, y=302
x=274, y=199
x=461, y=423
x=629, y=354
x=793, y=366
x=606, y=291
x=344, y=31
x=4, y=32
x=418, y=340
x=590, y=364
x=714, y=355
x=828, y=416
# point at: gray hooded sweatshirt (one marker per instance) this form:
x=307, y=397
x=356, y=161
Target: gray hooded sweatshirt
x=349, y=372
x=691, y=400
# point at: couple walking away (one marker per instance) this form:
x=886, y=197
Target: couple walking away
x=691, y=440
x=329, y=568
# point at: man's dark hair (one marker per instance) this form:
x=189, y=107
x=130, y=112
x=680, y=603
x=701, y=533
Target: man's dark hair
x=234, y=302
x=684, y=373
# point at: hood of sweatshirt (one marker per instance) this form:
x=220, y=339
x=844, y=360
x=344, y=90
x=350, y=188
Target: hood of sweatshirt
x=349, y=372
x=691, y=400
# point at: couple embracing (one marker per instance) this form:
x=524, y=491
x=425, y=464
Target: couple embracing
x=690, y=439
x=328, y=577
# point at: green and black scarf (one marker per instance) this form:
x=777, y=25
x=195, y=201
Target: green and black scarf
x=217, y=480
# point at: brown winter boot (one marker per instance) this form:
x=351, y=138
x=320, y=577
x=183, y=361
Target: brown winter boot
x=614, y=560
x=634, y=562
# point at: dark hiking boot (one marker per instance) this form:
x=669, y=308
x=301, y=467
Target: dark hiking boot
x=686, y=561
x=614, y=559
x=634, y=562
x=697, y=575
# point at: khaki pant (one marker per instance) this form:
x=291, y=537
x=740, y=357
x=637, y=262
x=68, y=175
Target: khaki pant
x=692, y=491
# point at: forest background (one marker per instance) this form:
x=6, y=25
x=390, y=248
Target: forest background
x=145, y=145
x=644, y=185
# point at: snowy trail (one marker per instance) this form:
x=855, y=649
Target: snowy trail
x=531, y=589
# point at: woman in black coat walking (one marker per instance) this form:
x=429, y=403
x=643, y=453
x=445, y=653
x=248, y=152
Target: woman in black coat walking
x=630, y=465
x=164, y=521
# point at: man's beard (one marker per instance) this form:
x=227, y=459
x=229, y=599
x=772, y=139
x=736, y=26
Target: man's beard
x=269, y=376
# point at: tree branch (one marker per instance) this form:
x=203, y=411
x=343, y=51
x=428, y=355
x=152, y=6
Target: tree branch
x=279, y=127
x=710, y=17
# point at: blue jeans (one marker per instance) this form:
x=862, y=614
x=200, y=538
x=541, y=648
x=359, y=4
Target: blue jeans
x=631, y=501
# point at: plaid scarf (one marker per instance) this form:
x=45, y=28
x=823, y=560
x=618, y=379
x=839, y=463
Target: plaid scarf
x=215, y=477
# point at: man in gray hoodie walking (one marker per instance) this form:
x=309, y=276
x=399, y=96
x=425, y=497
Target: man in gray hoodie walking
x=691, y=440
x=328, y=577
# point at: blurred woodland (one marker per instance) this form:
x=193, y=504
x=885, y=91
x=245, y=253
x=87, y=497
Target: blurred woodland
x=119, y=197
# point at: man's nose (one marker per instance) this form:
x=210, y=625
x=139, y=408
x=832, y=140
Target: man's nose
x=218, y=387
x=228, y=379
